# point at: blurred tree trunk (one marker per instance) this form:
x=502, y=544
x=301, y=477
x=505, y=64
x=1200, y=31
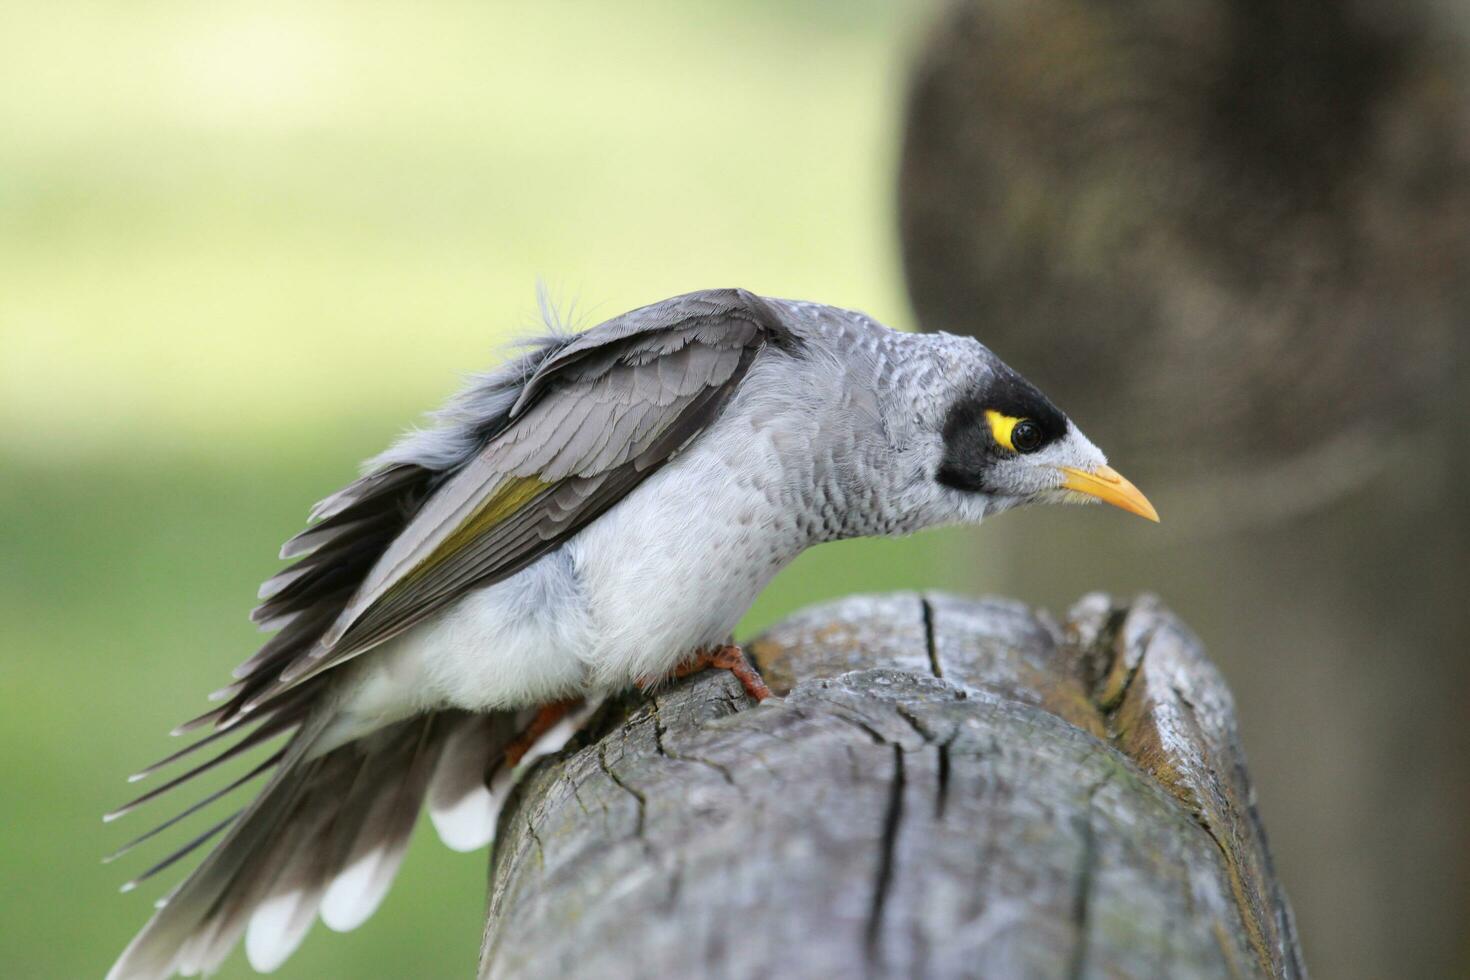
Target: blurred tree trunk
x=944, y=788
x=1232, y=239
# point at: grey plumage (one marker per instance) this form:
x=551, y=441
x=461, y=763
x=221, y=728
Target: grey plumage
x=474, y=563
x=694, y=351
x=612, y=423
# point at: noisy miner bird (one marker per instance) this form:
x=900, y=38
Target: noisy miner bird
x=597, y=513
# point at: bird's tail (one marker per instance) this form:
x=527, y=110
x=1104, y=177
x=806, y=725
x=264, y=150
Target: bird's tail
x=326, y=836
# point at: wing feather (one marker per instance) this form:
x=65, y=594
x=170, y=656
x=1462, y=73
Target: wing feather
x=526, y=457
x=594, y=418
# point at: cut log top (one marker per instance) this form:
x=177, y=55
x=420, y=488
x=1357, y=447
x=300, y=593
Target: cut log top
x=943, y=787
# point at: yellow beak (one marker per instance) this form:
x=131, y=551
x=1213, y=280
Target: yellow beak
x=1109, y=486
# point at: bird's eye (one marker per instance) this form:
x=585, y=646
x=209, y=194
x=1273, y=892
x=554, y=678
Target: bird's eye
x=1026, y=436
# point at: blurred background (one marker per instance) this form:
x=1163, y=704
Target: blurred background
x=242, y=245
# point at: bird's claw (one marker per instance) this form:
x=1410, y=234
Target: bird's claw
x=728, y=657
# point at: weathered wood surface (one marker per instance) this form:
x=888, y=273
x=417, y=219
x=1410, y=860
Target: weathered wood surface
x=942, y=788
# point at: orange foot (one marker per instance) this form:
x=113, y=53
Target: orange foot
x=547, y=717
x=731, y=658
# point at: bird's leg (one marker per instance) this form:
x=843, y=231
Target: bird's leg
x=728, y=657
x=548, y=716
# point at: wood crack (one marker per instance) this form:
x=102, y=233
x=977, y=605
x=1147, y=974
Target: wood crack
x=1082, y=891
x=930, y=644
x=878, y=737
x=942, y=766
x=887, y=857
x=658, y=740
x=536, y=839
x=641, y=800
x=917, y=724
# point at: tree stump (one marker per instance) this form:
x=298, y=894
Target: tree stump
x=943, y=787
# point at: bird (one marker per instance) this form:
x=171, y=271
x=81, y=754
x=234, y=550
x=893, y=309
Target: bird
x=598, y=512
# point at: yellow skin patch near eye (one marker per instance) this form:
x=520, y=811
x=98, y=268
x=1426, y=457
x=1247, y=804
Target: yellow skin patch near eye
x=1001, y=426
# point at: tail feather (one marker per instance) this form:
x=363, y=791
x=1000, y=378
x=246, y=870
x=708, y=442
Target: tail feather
x=189, y=811
x=315, y=808
x=326, y=835
x=250, y=741
x=471, y=782
x=284, y=911
x=377, y=850
x=282, y=920
x=177, y=938
x=179, y=854
x=230, y=912
x=461, y=804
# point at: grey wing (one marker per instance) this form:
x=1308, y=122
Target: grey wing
x=566, y=432
x=595, y=419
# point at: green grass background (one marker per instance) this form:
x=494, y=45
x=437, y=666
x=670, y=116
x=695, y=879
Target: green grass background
x=243, y=244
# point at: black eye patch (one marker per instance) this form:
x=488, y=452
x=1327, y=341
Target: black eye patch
x=1001, y=416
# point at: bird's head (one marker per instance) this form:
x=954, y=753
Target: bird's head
x=1002, y=443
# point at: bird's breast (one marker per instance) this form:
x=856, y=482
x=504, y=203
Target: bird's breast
x=675, y=565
